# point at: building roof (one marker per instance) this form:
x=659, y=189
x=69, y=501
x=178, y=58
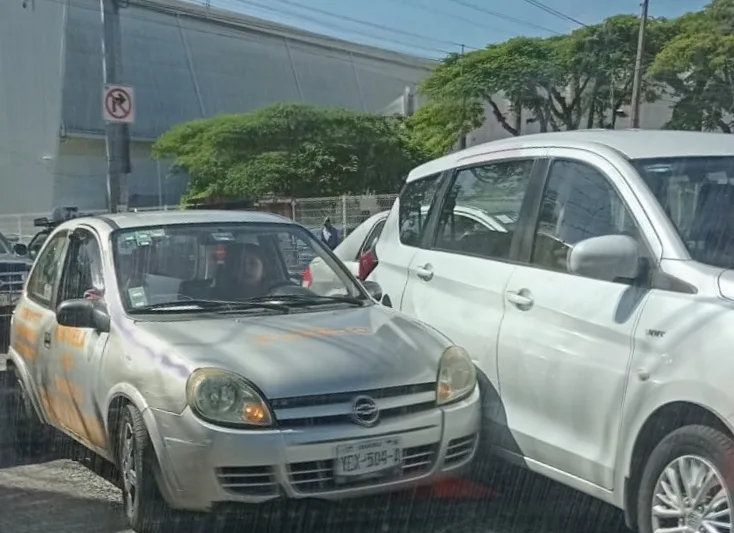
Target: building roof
x=633, y=144
x=187, y=62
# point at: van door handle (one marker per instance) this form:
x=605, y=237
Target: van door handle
x=521, y=299
x=424, y=272
x=47, y=339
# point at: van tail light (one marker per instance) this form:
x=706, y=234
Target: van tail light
x=307, y=278
x=367, y=263
x=220, y=254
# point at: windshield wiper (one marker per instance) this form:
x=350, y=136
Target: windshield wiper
x=197, y=306
x=308, y=299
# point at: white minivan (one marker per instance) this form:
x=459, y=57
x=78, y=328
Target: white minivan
x=599, y=310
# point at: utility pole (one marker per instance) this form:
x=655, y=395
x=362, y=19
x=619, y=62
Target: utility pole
x=462, y=140
x=637, y=80
x=117, y=136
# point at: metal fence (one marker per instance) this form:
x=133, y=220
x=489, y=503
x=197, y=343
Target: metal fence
x=345, y=212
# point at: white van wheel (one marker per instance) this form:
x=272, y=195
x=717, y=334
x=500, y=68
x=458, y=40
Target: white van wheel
x=687, y=483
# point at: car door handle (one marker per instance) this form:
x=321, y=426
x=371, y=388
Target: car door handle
x=47, y=339
x=424, y=272
x=520, y=299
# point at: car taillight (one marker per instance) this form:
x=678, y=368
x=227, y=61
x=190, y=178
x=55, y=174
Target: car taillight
x=367, y=263
x=307, y=278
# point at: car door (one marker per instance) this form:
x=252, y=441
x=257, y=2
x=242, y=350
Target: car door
x=566, y=341
x=456, y=283
x=78, y=351
x=35, y=317
x=402, y=236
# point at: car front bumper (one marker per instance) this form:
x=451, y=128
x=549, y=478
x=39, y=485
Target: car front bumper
x=202, y=465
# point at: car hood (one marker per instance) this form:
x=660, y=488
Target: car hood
x=308, y=353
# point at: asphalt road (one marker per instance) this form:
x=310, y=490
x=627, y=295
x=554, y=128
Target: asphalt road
x=63, y=493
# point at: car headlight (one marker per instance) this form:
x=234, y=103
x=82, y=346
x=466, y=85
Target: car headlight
x=457, y=376
x=223, y=397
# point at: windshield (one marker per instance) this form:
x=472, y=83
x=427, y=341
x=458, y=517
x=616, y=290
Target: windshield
x=697, y=193
x=236, y=263
x=5, y=247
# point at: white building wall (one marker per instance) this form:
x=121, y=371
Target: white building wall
x=31, y=47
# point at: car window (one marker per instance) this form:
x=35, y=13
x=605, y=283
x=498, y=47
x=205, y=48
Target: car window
x=47, y=270
x=224, y=262
x=371, y=240
x=481, y=208
x=82, y=274
x=416, y=200
x=579, y=202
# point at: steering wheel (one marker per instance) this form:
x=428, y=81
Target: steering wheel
x=273, y=288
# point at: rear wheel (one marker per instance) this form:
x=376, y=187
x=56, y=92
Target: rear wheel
x=687, y=483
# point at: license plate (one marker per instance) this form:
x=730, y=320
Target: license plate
x=367, y=457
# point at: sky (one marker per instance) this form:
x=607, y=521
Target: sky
x=433, y=28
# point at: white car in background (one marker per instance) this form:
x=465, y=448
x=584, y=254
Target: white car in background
x=319, y=276
x=600, y=318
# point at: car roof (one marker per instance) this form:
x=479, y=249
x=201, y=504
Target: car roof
x=632, y=144
x=196, y=216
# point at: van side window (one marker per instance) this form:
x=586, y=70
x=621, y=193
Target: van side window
x=416, y=200
x=47, y=270
x=579, y=202
x=481, y=209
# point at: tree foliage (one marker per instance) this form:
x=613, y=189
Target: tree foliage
x=698, y=67
x=291, y=150
x=565, y=82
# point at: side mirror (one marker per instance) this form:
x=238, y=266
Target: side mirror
x=83, y=313
x=20, y=249
x=608, y=258
x=373, y=289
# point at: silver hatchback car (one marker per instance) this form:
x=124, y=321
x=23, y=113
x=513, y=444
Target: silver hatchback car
x=185, y=348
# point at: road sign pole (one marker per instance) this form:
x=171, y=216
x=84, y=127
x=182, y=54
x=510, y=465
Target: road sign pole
x=117, y=135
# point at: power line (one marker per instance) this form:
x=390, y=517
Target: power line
x=371, y=24
x=237, y=25
x=504, y=17
x=452, y=16
x=321, y=23
x=553, y=11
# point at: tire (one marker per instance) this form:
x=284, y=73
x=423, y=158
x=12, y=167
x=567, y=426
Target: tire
x=30, y=437
x=145, y=509
x=699, y=449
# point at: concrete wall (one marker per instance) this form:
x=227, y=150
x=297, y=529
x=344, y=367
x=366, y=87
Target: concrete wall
x=31, y=48
x=81, y=176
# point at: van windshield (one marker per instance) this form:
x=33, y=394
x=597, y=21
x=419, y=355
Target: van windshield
x=697, y=193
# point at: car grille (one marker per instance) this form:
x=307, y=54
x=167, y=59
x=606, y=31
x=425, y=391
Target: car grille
x=337, y=408
x=12, y=276
x=459, y=450
x=318, y=476
x=248, y=480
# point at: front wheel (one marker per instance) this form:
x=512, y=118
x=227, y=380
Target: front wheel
x=144, y=506
x=687, y=483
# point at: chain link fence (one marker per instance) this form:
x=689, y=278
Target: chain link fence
x=345, y=212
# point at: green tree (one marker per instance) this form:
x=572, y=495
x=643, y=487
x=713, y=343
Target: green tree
x=697, y=66
x=565, y=82
x=291, y=150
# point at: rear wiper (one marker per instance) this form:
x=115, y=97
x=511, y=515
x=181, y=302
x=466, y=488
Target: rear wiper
x=307, y=299
x=197, y=306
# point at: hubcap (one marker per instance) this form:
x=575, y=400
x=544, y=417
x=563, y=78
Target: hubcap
x=691, y=497
x=129, y=469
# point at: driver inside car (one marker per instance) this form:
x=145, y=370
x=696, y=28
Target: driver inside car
x=243, y=276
